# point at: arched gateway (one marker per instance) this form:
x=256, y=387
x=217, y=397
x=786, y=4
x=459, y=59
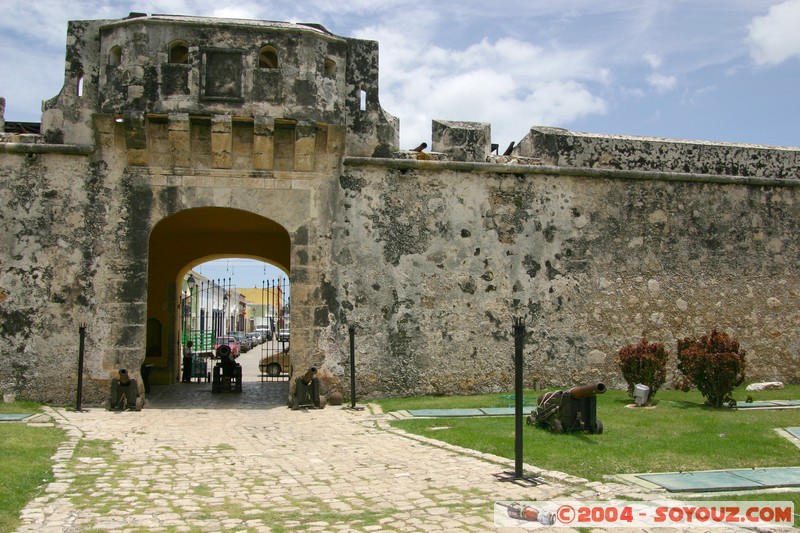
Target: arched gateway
x=188, y=238
x=180, y=147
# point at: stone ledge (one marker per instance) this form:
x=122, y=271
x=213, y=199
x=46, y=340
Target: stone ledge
x=41, y=148
x=584, y=172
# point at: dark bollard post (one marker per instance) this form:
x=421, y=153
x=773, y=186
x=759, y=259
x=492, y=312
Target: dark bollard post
x=519, y=333
x=82, y=335
x=352, y=330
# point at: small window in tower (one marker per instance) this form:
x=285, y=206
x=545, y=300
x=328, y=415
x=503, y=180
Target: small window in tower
x=330, y=68
x=115, y=56
x=268, y=57
x=80, y=85
x=362, y=96
x=179, y=52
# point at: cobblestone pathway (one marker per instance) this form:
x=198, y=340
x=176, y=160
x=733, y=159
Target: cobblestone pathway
x=196, y=461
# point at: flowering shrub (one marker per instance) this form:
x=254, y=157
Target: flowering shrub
x=714, y=364
x=643, y=363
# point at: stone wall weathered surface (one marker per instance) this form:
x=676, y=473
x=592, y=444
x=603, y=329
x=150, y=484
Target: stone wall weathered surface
x=560, y=147
x=431, y=264
x=52, y=235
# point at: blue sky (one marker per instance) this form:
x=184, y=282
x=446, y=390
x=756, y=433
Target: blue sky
x=719, y=70
x=716, y=70
x=243, y=273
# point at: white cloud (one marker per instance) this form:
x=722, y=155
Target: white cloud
x=661, y=82
x=774, y=37
x=634, y=92
x=509, y=83
x=653, y=60
x=242, y=11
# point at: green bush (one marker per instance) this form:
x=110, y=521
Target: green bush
x=714, y=364
x=643, y=363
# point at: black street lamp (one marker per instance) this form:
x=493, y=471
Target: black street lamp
x=186, y=308
x=191, y=283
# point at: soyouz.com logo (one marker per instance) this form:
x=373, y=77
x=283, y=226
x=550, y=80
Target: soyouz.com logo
x=660, y=513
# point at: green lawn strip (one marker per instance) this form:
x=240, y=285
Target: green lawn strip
x=455, y=402
x=19, y=407
x=25, y=464
x=680, y=434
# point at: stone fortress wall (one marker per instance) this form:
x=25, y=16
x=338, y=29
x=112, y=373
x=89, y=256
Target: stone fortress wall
x=594, y=240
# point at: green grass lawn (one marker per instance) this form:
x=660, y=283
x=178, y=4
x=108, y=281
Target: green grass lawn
x=24, y=462
x=679, y=434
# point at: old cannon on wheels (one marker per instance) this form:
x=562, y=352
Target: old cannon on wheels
x=227, y=372
x=124, y=393
x=571, y=410
x=306, y=392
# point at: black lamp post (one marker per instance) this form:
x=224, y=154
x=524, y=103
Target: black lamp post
x=191, y=283
x=186, y=310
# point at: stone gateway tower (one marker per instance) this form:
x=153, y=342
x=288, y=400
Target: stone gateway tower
x=176, y=140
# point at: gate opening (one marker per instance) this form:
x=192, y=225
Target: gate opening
x=184, y=249
x=243, y=305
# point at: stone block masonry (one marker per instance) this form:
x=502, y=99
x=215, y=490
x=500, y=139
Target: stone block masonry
x=434, y=259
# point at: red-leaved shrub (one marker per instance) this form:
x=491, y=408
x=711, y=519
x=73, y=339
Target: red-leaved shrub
x=714, y=364
x=643, y=363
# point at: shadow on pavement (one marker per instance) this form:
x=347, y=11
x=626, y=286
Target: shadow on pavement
x=256, y=394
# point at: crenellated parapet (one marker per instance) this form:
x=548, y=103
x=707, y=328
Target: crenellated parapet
x=221, y=141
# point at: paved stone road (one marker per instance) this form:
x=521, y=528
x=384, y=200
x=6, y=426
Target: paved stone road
x=196, y=461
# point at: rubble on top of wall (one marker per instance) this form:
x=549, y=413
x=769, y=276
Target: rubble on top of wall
x=421, y=156
x=514, y=160
x=491, y=158
x=21, y=138
x=466, y=142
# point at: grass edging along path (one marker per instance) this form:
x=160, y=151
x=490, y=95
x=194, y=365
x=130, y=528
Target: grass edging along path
x=25, y=461
x=679, y=434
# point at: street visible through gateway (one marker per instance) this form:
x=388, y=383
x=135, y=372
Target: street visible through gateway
x=258, y=390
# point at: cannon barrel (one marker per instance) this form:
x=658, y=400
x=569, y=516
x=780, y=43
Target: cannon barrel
x=124, y=378
x=223, y=351
x=576, y=392
x=309, y=375
x=587, y=390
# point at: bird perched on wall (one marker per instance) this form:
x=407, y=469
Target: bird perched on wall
x=509, y=149
x=420, y=148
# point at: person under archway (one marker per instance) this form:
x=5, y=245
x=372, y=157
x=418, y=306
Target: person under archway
x=187, y=362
